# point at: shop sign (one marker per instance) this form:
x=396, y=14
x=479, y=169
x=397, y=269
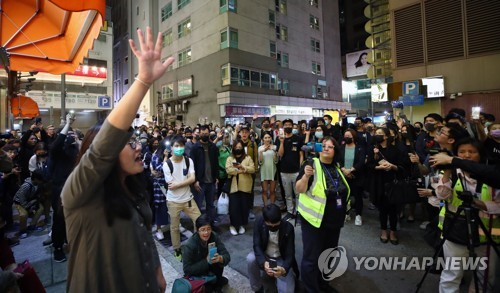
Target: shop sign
x=75, y=101
x=247, y=111
x=287, y=110
x=379, y=93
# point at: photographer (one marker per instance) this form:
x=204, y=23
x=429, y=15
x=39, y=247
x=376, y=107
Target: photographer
x=453, y=188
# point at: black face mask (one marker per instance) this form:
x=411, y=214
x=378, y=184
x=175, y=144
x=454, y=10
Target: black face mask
x=391, y=139
x=204, y=137
x=430, y=127
x=348, y=140
x=378, y=138
x=288, y=130
x=189, y=137
x=369, y=129
x=238, y=152
x=265, y=125
x=213, y=137
x=274, y=228
x=405, y=135
x=164, y=133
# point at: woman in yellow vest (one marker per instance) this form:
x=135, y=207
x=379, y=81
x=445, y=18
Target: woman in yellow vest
x=322, y=205
x=448, y=190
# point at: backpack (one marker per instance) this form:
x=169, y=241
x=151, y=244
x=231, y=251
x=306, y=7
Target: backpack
x=171, y=165
x=188, y=285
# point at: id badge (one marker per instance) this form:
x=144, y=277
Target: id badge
x=338, y=199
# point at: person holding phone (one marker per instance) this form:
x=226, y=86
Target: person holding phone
x=205, y=256
x=271, y=264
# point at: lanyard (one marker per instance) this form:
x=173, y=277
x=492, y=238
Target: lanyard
x=335, y=182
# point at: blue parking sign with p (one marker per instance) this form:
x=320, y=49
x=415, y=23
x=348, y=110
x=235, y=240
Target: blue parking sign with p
x=410, y=88
x=104, y=102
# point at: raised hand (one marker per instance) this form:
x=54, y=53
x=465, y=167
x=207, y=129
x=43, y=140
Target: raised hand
x=149, y=56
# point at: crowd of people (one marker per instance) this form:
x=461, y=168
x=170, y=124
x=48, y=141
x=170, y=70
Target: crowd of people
x=111, y=187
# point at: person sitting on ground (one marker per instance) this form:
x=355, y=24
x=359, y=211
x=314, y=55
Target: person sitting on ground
x=195, y=256
x=27, y=202
x=273, y=242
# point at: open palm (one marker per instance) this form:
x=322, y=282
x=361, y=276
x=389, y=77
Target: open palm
x=149, y=56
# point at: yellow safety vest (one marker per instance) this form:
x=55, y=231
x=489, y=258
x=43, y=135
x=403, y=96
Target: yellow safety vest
x=485, y=218
x=311, y=205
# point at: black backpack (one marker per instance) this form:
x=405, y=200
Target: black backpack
x=171, y=165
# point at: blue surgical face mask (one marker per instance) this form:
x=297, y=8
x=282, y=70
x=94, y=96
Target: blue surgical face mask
x=318, y=134
x=295, y=131
x=178, y=151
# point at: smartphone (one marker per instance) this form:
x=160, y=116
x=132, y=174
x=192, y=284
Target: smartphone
x=476, y=112
x=308, y=127
x=212, y=250
x=318, y=147
x=235, y=163
x=273, y=263
x=281, y=132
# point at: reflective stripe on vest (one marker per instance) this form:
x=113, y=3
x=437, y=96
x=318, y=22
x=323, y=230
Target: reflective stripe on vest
x=311, y=204
x=485, y=196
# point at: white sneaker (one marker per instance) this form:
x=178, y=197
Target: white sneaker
x=358, y=221
x=233, y=230
x=424, y=224
x=159, y=235
x=241, y=230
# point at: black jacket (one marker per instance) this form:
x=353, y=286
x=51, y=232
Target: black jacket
x=286, y=241
x=198, y=157
x=62, y=159
x=359, y=158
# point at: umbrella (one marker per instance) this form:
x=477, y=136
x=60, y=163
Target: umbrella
x=23, y=107
x=48, y=35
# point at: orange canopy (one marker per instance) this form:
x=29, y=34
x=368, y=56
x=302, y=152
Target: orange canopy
x=49, y=35
x=24, y=107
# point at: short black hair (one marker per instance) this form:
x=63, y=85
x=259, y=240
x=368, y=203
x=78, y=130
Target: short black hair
x=37, y=175
x=288, y=120
x=204, y=127
x=458, y=111
x=202, y=220
x=434, y=116
x=271, y=213
x=456, y=131
x=328, y=116
x=178, y=139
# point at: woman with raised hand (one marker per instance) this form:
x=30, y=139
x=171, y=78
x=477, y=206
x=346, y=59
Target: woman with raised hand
x=106, y=207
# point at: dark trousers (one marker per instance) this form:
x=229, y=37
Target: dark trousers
x=207, y=193
x=357, y=193
x=220, y=184
x=238, y=208
x=58, y=224
x=314, y=242
x=217, y=270
x=388, y=211
x=251, y=197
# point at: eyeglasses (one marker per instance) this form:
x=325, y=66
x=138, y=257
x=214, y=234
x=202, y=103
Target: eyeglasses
x=205, y=230
x=133, y=143
x=328, y=147
x=440, y=131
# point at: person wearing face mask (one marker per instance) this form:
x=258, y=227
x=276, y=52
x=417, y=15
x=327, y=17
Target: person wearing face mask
x=63, y=154
x=225, y=150
x=291, y=157
x=159, y=201
x=240, y=167
x=265, y=127
x=352, y=164
x=432, y=123
x=179, y=174
x=251, y=149
x=492, y=144
x=418, y=128
x=384, y=161
x=273, y=239
x=204, y=154
x=192, y=137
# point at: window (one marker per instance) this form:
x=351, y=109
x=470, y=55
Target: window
x=280, y=6
x=184, y=57
x=313, y=93
x=315, y=47
x=314, y=22
x=281, y=32
x=278, y=58
x=184, y=28
x=182, y=3
x=167, y=91
x=225, y=5
x=314, y=3
x=284, y=60
x=264, y=80
x=272, y=18
x=224, y=73
x=167, y=38
x=244, y=77
x=272, y=84
x=166, y=11
x=234, y=75
x=233, y=38
x=316, y=68
x=255, y=79
x=185, y=87
x=272, y=49
x=284, y=86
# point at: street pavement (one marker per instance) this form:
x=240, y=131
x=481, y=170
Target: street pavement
x=358, y=241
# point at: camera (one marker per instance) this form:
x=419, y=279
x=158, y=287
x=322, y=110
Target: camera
x=466, y=196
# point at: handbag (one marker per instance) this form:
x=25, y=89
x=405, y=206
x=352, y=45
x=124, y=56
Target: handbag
x=188, y=285
x=226, y=188
x=401, y=191
x=459, y=231
x=30, y=282
x=223, y=204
